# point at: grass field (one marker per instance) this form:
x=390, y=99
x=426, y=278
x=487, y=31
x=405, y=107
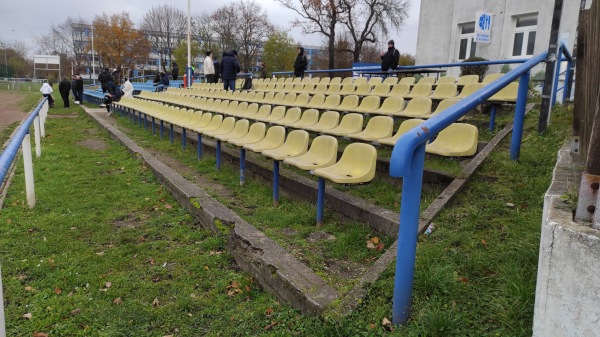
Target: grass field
x=108, y=252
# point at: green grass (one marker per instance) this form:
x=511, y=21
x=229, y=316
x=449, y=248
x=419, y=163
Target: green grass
x=475, y=275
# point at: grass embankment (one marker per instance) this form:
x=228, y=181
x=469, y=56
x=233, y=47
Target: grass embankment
x=105, y=241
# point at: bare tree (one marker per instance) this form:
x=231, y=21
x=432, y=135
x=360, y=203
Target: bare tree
x=253, y=29
x=318, y=16
x=165, y=27
x=363, y=18
x=226, y=20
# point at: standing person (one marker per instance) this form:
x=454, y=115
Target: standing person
x=390, y=59
x=78, y=89
x=175, y=71
x=301, y=63
x=73, y=85
x=229, y=69
x=127, y=88
x=104, y=78
x=217, y=66
x=47, y=91
x=209, y=67
x=64, y=87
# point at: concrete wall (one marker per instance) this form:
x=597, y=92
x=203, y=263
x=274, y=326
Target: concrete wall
x=438, y=37
x=567, y=299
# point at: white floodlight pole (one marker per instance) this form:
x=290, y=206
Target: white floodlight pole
x=188, y=70
x=93, y=57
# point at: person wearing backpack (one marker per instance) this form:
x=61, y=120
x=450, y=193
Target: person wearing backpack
x=390, y=59
x=114, y=95
x=301, y=63
x=229, y=69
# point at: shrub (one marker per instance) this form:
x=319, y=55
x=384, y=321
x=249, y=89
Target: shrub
x=474, y=70
x=505, y=68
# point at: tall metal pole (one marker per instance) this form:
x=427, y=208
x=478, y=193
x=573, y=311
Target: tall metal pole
x=188, y=70
x=93, y=57
x=551, y=62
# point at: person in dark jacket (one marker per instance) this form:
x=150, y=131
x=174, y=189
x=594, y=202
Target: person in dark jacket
x=104, y=78
x=229, y=69
x=73, y=85
x=114, y=95
x=390, y=59
x=78, y=89
x=64, y=87
x=217, y=66
x=301, y=63
x=175, y=71
x=163, y=83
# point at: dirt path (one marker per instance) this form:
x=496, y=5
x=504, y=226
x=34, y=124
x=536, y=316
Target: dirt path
x=11, y=108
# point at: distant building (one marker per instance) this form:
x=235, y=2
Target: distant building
x=311, y=53
x=519, y=29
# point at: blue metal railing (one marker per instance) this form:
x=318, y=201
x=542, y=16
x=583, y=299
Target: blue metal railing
x=408, y=159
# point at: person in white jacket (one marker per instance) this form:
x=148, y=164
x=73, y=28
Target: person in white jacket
x=209, y=67
x=127, y=88
x=46, y=90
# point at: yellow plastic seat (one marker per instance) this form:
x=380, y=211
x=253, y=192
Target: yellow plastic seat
x=426, y=80
x=362, y=89
x=446, y=79
x=255, y=134
x=467, y=79
x=335, y=80
x=351, y=123
x=268, y=97
x=231, y=108
x=445, y=104
x=347, y=80
x=334, y=88
x=293, y=80
x=288, y=99
x=250, y=110
x=407, y=80
x=301, y=99
x=378, y=127
x=420, y=90
x=347, y=89
x=443, y=91
x=357, y=165
x=277, y=113
x=469, y=89
x=280, y=87
x=221, y=107
x=263, y=112
x=295, y=145
x=398, y=90
x=283, y=79
x=367, y=105
x=225, y=128
x=250, y=96
x=308, y=88
x=258, y=97
x=491, y=78
x=360, y=80
x=381, y=89
x=298, y=88
x=417, y=107
x=306, y=80
x=506, y=94
x=322, y=153
x=215, y=123
x=291, y=116
x=278, y=98
x=239, y=131
x=273, y=139
x=325, y=80
x=315, y=80
x=331, y=102
x=457, y=140
x=391, y=80
x=328, y=121
x=391, y=106
x=402, y=129
x=316, y=101
x=309, y=117
x=349, y=102
x=373, y=81
x=321, y=88
x=239, y=110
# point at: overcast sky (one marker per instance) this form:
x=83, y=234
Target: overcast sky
x=23, y=19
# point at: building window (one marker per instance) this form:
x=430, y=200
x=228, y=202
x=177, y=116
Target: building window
x=467, y=46
x=525, y=31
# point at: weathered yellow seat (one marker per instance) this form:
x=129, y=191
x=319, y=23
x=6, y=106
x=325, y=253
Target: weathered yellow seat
x=250, y=96
x=426, y=80
x=443, y=91
x=325, y=80
x=351, y=123
x=446, y=79
x=390, y=106
x=445, y=104
x=348, y=103
x=315, y=80
x=280, y=98
x=239, y=131
x=399, y=90
x=347, y=80
x=334, y=88
x=277, y=113
x=381, y=89
x=506, y=94
x=301, y=100
x=377, y=127
x=297, y=88
x=347, y=89
x=407, y=80
x=295, y=145
x=268, y=97
x=258, y=97
x=420, y=90
x=362, y=89
x=316, y=101
x=328, y=121
x=392, y=80
x=221, y=107
x=214, y=124
x=232, y=108
x=273, y=139
x=322, y=153
x=402, y=129
x=306, y=79
x=226, y=127
x=292, y=115
x=255, y=134
x=457, y=140
x=491, y=78
x=321, y=88
x=469, y=89
x=331, y=102
x=309, y=117
x=293, y=80
x=360, y=80
x=335, y=80
x=467, y=79
x=250, y=110
x=417, y=107
x=357, y=165
x=375, y=80
x=308, y=88
x=367, y=105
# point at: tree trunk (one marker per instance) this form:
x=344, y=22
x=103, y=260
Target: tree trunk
x=331, y=64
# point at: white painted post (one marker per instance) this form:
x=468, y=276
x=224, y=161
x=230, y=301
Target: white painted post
x=28, y=167
x=36, y=132
x=43, y=114
x=2, y=324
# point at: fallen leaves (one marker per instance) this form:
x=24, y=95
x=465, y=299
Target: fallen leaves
x=40, y=334
x=269, y=312
x=233, y=289
x=156, y=302
x=463, y=279
x=374, y=244
x=118, y=301
x=58, y=291
x=28, y=288
x=27, y=315
x=75, y=312
x=271, y=325
x=387, y=325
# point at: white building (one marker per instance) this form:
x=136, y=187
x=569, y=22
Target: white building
x=519, y=29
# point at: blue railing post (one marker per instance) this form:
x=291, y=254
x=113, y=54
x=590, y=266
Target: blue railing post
x=493, y=117
x=407, y=237
x=183, y=138
x=218, y=154
x=199, y=146
x=171, y=133
x=140, y=119
x=153, y=126
x=567, y=83
x=556, y=75
x=242, y=166
x=145, y=121
x=517, y=133
x=162, y=129
x=275, y=182
x=320, y=201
